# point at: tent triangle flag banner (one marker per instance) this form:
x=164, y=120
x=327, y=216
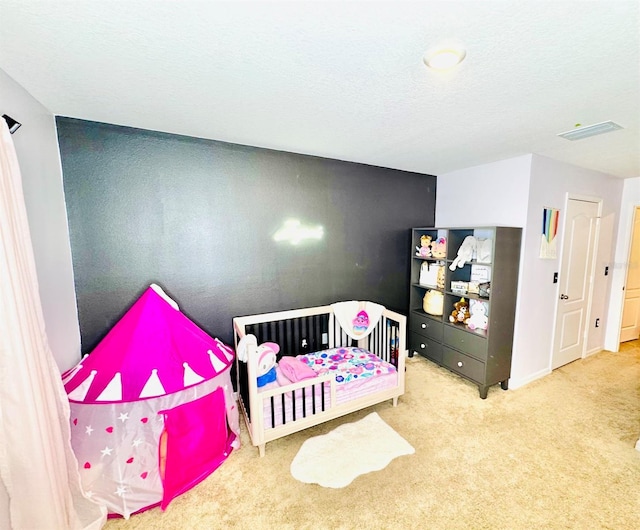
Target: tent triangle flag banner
x=153, y=369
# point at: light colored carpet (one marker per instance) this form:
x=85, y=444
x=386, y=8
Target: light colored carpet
x=335, y=459
x=557, y=453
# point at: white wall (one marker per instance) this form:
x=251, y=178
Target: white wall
x=489, y=195
x=551, y=181
x=37, y=147
x=630, y=199
x=514, y=192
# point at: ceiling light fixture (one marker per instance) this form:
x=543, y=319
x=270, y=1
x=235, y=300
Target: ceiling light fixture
x=590, y=130
x=444, y=58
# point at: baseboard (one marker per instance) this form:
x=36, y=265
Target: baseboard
x=592, y=352
x=520, y=382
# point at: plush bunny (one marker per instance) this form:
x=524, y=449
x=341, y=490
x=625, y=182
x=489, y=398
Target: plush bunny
x=478, y=318
x=465, y=253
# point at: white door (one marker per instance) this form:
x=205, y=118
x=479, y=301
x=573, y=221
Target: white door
x=576, y=272
x=630, y=328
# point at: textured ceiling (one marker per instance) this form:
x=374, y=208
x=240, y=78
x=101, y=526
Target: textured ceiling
x=344, y=80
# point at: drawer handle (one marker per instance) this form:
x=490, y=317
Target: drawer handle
x=423, y=326
x=460, y=364
x=422, y=346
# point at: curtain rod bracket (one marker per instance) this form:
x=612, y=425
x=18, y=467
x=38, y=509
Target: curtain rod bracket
x=13, y=124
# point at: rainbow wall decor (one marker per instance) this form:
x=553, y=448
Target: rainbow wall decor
x=550, y=217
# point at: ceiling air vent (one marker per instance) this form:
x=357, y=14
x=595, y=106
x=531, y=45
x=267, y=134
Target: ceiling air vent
x=590, y=130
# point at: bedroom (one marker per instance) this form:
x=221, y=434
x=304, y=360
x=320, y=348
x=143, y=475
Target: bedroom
x=515, y=187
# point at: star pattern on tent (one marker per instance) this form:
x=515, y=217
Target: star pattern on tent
x=88, y=429
x=106, y=451
x=88, y=493
x=124, y=416
x=136, y=442
x=121, y=491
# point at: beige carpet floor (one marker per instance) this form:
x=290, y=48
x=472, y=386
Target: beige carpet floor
x=557, y=453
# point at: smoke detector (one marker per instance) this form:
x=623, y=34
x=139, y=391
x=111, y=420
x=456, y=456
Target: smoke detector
x=590, y=130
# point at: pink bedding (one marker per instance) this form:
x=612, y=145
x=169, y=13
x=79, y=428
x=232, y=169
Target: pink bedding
x=358, y=373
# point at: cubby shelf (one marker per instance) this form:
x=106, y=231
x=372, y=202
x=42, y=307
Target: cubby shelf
x=490, y=277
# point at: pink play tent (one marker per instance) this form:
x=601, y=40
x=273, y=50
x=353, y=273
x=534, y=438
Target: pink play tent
x=152, y=408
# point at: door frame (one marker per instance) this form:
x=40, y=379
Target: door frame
x=630, y=226
x=592, y=268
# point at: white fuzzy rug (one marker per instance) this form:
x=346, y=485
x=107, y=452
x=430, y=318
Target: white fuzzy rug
x=335, y=459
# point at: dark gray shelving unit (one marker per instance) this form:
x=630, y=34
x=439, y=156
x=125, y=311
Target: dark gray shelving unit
x=482, y=356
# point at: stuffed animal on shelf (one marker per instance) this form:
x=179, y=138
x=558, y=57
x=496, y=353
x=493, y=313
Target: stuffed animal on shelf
x=433, y=302
x=483, y=250
x=439, y=248
x=440, y=277
x=465, y=253
x=460, y=314
x=424, y=250
x=478, y=318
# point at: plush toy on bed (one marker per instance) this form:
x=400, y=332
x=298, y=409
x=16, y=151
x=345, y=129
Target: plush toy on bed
x=267, y=362
x=460, y=315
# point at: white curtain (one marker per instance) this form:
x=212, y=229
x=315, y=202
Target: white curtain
x=37, y=465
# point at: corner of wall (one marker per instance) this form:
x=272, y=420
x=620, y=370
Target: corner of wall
x=39, y=158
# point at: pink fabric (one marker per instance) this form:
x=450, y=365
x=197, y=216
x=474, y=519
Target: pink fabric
x=195, y=448
x=282, y=379
x=39, y=484
x=150, y=335
x=295, y=370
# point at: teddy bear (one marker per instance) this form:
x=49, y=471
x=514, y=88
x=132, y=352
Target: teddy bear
x=460, y=315
x=478, y=318
x=424, y=250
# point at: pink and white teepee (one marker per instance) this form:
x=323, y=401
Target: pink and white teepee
x=152, y=408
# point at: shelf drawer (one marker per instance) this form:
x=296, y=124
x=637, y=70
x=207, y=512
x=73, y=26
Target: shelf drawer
x=425, y=326
x=426, y=347
x=463, y=364
x=466, y=342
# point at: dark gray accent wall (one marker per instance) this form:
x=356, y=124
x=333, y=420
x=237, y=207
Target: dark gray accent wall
x=198, y=217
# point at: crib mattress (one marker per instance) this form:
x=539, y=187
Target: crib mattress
x=358, y=373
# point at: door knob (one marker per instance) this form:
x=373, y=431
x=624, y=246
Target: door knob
x=564, y=297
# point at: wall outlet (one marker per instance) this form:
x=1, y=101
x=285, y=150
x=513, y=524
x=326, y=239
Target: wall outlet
x=325, y=338
x=597, y=322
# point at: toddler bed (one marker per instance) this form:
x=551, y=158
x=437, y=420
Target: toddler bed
x=333, y=360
